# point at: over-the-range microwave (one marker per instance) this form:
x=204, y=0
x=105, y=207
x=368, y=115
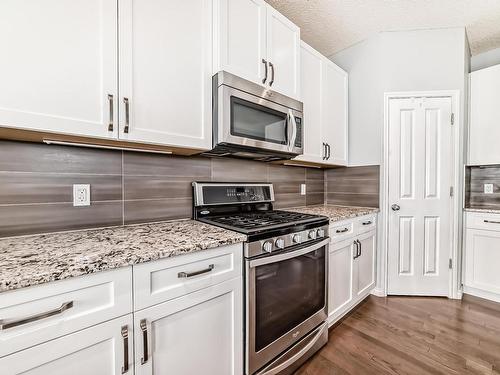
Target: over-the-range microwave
x=252, y=121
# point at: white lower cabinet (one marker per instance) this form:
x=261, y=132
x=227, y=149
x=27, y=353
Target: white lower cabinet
x=199, y=333
x=104, y=349
x=351, y=273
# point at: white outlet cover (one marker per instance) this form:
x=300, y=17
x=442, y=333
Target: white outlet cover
x=81, y=195
x=488, y=188
x=302, y=189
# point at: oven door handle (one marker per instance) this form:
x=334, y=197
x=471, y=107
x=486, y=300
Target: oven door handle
x=289, y=255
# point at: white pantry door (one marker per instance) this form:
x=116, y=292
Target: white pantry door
x=420, y=178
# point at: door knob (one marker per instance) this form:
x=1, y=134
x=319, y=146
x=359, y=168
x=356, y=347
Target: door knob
x=395, y=207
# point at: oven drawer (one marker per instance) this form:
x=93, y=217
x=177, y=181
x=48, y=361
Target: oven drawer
x=341, y=230
x=170, y=278
x=37, y=314
x=486, y=221
x=365, y=224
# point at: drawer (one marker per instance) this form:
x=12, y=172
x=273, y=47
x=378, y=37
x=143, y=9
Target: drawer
x=477, y=220
x=341, y=230
x=365, y=224
x=40, y=313
x=170, y=278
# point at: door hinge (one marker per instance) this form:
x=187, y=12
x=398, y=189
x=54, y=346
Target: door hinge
x=453, y=119
x=452, y=192
x=450, y=264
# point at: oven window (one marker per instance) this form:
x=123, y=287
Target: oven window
x=250, y=120
x=286, y=294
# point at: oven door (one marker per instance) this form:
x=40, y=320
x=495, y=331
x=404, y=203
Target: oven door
x=286, y=299
x=252, y=121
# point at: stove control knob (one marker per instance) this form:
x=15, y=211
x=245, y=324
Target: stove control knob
x=312, y=235
x=267, y=246
x=280, y=243
x=320, y=233
x=296, y=238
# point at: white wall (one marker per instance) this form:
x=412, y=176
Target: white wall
x=485, y=59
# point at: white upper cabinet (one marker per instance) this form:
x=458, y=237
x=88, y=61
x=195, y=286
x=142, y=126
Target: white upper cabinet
x=257, y=43
x=166, y=72
x=484, y=125
x=58, y=71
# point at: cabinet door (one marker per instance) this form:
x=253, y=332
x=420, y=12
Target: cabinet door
x=166, y=72
x=482, y=257
x=340, y=278
x=199, y=333
x=99, y=350
x=59, y=66
x=310, y=83
x=241, y=38
x=484, y=116
x=334, y=112
x=365, y=265
x=283, y=52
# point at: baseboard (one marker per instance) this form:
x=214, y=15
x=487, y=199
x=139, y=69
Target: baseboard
x=492, y=296
x=379, y=292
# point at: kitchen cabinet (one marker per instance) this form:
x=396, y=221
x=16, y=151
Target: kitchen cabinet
x=484, y=123
x=61, y=72
x=199, y=333
x=104, y=349
x=256, y=42
x=482, y=255
x=324, y=93
x=365, y=264
x=340, y=277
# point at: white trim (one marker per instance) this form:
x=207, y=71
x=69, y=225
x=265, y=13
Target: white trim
x=379, y=292
x=482, y=293
x=454, y=287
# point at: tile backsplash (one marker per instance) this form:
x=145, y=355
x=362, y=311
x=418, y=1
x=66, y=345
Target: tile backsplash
x=476, y=177
x=126, y=187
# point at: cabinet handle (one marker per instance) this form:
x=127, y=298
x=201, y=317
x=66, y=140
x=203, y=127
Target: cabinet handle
x=6, y=324
x=181, y=275
x=356, y=250
x=367, y=222
x=144, y=329
x=492, y=221
x=342, y=230
x=271, y=65
x=111, y=113
x=360, y=248
x=125, y=349
x=265, y=71
x=127, y=115
x=324, y=151
x=329, y=151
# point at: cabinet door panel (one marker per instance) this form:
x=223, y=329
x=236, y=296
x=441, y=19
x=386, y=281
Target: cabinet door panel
x=165, y=72
x=366, y=264
x=241, y=38
x=283, y=51
x=482, y=260
x=98, y=350
x=59, y=66
x=340, y=279
x=199, y=333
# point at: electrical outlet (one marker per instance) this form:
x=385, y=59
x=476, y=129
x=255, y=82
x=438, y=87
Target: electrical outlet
x=488, y=188
x=302, y=189
x=81, y=195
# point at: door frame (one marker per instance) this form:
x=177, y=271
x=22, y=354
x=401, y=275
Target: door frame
x=455, y=290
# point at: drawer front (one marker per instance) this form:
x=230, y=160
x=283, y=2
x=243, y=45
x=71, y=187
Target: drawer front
x=342, y=230
x=476, y=220
x=166, y=279
x=40, y=313
x=365, y=224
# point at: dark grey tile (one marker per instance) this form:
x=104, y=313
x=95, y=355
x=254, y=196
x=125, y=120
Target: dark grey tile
x=150, y=187
x=287, y=187
x=315, y=198
x=315, y=174
x=21, y=188
x=289, y=200
x=315, y=186
x=39, y=218
x=359, y=186
x=234, y=170
x=286, y=173
x=144, y=164
x=140, y=211
x=36, y=157
x=364, y=172
x=348, y=199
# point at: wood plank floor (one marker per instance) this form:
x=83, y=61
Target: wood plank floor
x=413, y=335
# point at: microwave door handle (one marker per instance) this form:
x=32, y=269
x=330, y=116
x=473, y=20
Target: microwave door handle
x=292, y=122
x=288, y=130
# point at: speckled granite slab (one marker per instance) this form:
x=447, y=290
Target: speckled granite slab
x=482, y=210
x=37, y=259
x=336, y=213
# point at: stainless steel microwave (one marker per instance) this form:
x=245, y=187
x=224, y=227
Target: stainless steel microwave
x=255, y=122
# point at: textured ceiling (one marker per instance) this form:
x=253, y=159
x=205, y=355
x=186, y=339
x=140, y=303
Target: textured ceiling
x=332, y=25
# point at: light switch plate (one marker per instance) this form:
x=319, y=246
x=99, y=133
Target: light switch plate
x=81, y=195
x=488, y=188
x=302, y=189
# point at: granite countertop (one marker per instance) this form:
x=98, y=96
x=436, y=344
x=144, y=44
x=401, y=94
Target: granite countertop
x=336, y=213
x=483, y=210
x=37, y=259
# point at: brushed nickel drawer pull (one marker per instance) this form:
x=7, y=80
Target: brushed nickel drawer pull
x=265, y=72
x=111, y=113
x=367, y=222
x=127, y=115
x=492, y=221
x=342, y=230
x=181, y=275
x=6, y=324
x=144, y=329
x=271, y=65
x=125, y=349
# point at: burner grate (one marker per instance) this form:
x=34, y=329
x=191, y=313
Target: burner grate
x=261, y=219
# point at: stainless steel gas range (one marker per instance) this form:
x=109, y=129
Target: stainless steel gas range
x=286, y=264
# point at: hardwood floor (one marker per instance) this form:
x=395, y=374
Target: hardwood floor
x=413, y=335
